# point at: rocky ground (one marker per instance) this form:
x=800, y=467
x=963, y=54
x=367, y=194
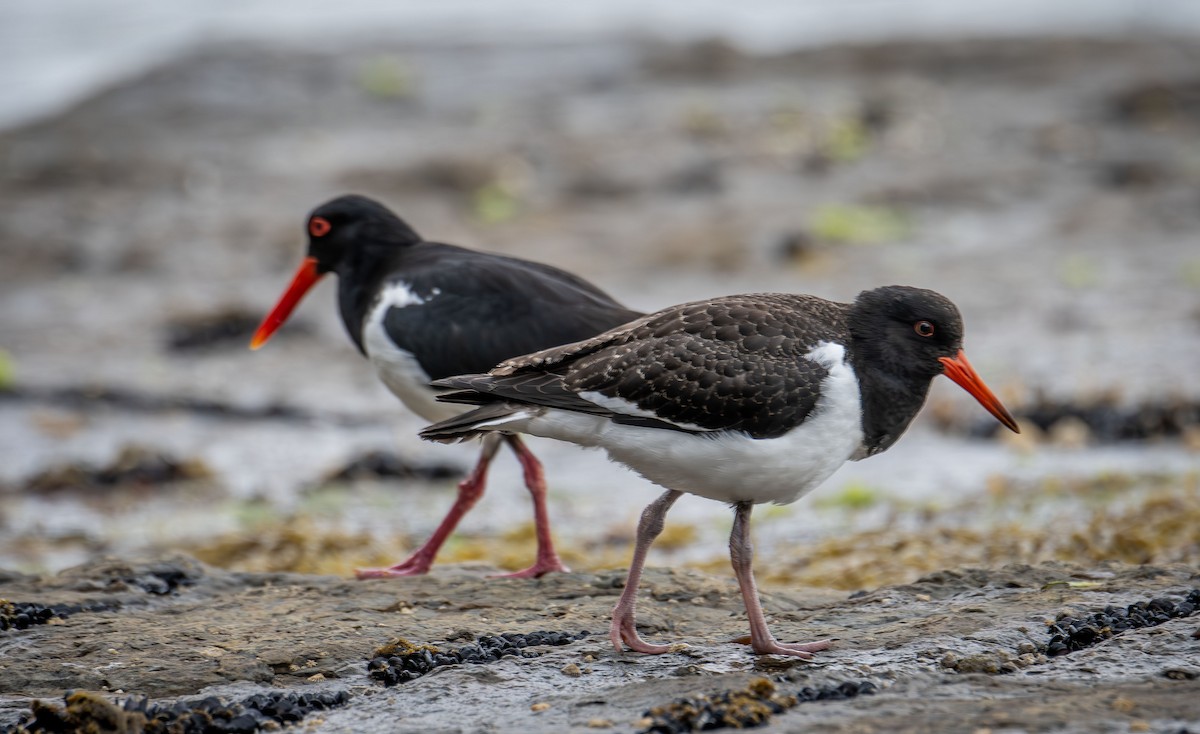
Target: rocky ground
x=1049, y=187
x=962, y=650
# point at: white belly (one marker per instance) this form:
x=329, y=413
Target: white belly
x=399, y=369
x=402, y=374
x=726, y=466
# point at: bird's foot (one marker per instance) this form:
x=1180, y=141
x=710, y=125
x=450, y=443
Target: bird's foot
x=624, y=630
x=542, y=567
x=770, y=646
x=412, y=567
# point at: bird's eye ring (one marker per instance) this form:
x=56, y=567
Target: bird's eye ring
x=924, y=328
x=319, y=226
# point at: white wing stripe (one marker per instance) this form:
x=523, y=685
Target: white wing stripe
x=624, y=407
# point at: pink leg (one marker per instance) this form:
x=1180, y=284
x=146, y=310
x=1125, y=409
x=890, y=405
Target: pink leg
x=535, y=481
x=469, y=492
x=624, y=627
x=741, y=554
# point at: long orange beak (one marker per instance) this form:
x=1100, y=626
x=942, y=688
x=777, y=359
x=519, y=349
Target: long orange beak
x=305, y=277
x=961, y=371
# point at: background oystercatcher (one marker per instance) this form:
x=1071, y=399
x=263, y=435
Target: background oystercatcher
x=743, y=399
x=425, y=310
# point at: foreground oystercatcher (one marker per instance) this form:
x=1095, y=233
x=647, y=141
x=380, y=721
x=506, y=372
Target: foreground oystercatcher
x=424, y=310
x=743, y=399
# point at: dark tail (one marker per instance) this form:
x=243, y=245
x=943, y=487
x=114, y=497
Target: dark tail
x=465, y=389
x=467, y=426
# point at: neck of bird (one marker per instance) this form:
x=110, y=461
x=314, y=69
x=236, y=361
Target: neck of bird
x=890, y=401
x=360, y=276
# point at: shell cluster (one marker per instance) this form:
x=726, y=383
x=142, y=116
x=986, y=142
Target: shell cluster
x=401, y=662
x=1069, y=634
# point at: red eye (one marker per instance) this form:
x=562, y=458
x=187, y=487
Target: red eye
x=923, y=328
x=319, y=226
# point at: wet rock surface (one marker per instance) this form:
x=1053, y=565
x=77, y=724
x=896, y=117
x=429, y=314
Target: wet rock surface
x=134, y=466
x=229, y=328
x=230, y=640
x=388, y=465
x=1104, y=420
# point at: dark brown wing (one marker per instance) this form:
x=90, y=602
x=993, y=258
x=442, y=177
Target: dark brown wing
x=734, y=363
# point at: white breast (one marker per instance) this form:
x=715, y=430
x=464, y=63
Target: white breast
x=729, y=466
x=398, y=368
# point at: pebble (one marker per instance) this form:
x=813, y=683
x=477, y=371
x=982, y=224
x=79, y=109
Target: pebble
x=572, y=670
x=1181, y=673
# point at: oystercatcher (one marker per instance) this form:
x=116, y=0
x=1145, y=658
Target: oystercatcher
x=423, y=310
x=743, y=399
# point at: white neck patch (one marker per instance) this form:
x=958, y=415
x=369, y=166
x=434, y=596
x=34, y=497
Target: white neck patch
x=398, y=368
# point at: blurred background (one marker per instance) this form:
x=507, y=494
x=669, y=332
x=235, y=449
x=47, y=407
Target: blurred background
x=1038, y=163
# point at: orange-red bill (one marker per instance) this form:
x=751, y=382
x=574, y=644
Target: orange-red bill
x=961, y=371
x=306, y=275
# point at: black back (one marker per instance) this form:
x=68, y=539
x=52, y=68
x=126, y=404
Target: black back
x=479, y=308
